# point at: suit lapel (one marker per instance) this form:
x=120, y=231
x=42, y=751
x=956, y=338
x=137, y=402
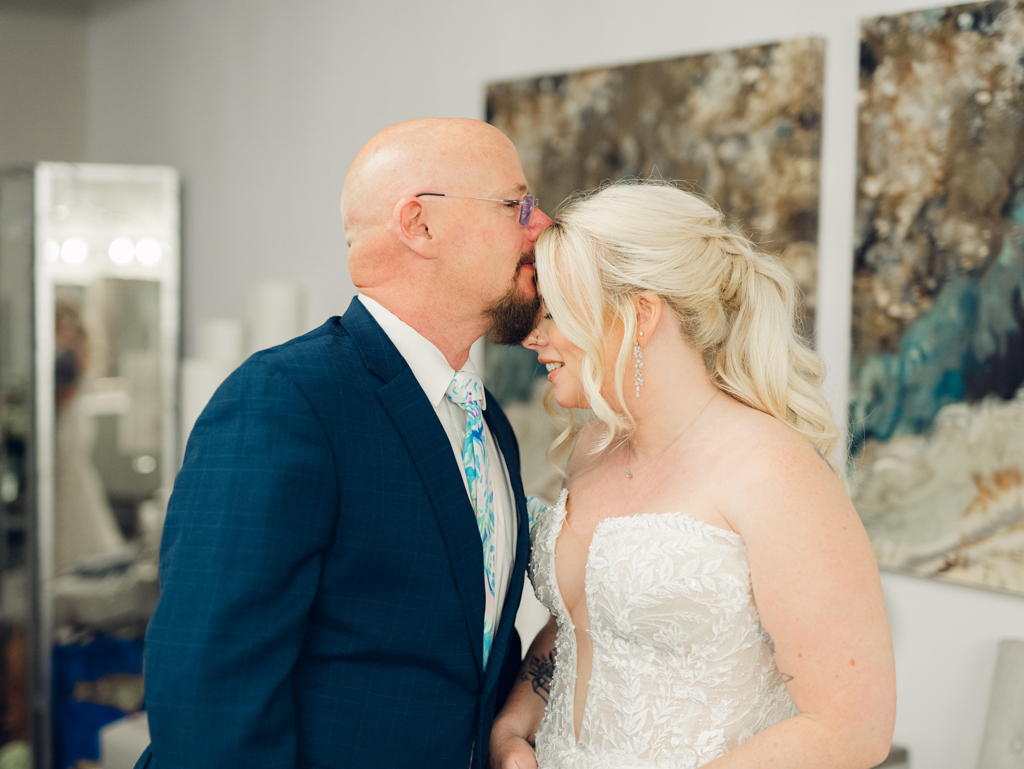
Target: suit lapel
x=427, y=442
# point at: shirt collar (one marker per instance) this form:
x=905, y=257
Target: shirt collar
x=428, y=364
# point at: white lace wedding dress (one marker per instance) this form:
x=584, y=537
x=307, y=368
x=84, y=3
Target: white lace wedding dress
x=683, y=671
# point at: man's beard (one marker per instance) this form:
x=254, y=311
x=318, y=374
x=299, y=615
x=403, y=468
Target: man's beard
x=514, y=315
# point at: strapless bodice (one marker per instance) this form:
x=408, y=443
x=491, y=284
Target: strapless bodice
x=683, y=670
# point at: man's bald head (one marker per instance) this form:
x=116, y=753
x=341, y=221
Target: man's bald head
x=451, y=267
x=429, y=155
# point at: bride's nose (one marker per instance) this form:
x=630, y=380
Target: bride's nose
x=535, y=340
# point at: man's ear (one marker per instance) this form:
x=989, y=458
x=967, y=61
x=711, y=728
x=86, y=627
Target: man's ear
x=409, y=222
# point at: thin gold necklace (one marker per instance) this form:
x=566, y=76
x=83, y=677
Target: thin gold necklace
x=629, y=446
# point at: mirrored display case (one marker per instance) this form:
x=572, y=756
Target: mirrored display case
x=89, y=348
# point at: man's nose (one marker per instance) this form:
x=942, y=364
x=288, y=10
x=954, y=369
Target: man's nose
x=539, y=221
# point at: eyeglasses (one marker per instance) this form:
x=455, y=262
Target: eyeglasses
x=526, y=205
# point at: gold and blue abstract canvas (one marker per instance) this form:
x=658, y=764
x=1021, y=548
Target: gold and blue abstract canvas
x=937, y=365
x=741, y=126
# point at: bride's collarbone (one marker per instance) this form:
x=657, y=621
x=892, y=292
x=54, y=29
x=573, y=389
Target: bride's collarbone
x=594, y=497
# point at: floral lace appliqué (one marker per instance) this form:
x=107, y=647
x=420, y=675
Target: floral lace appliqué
x=683, y=670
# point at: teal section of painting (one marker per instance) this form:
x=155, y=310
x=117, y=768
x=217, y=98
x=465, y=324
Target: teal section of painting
x=968, y=345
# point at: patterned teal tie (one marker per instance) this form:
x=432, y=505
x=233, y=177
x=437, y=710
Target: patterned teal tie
x=467, y=392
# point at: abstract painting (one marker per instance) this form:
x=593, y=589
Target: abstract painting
x=742, y=127
x=937, y=365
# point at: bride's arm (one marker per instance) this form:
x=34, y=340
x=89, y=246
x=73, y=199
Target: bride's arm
x=512, y=736
x=819, y=596
x=515, y=727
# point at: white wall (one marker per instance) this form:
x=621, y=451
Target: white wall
x=42, y=85
x=262, y=104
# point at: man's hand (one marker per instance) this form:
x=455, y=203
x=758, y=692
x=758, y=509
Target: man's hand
x=510, y=751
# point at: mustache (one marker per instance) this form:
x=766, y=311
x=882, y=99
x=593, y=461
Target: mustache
x=528, y=258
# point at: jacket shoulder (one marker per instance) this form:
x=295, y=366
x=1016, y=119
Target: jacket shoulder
x=318, y=364
x=328, y=350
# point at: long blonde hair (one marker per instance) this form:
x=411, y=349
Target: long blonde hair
x=735, y=304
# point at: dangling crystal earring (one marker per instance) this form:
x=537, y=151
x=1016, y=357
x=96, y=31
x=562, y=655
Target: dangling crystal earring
x=638, y=364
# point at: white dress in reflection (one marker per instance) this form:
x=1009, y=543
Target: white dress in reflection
x=683, y=670
x=83, y=523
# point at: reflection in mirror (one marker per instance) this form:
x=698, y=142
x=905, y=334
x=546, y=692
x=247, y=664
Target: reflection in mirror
x=84, y=522
x=99, y=336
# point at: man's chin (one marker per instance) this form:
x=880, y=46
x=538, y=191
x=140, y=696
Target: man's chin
x=514, y=316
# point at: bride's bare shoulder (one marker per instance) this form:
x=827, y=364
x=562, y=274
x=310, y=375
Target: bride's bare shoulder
x=758, y=440
x=766, y=456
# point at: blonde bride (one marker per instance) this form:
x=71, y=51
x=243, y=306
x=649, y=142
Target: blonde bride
x=714, y=598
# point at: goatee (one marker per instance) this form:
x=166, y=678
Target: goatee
x=514, y=315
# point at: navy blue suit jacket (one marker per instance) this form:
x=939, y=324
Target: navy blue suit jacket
x=322, y=573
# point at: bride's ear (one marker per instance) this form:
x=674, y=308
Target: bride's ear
x=648, y=313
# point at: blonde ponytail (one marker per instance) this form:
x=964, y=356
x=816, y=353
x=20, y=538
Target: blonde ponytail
x=763, y=362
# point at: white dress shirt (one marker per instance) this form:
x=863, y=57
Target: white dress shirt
x=434, y=374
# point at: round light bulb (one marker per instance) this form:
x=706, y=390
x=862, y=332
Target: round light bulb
x=121, y=251
x=144, y=465
x=148, y=252
x=74, y=251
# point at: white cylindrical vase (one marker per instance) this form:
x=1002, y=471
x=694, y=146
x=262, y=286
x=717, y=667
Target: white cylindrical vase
x=222, y=341
x=276, y=312
x=1003, y=744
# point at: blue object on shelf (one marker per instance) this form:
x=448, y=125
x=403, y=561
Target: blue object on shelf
x=95, y=681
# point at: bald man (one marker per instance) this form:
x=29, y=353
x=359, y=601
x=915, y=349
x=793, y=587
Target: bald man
x=345, y=547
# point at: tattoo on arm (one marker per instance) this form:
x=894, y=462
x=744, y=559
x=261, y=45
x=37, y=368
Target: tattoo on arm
x=786, y=677
x=539, y=671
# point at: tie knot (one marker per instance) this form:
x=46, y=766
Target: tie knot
x=465, y=389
